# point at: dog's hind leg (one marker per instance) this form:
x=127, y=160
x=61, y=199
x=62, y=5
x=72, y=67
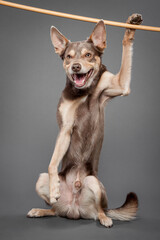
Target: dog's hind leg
x=42, y=188
x=93, y=184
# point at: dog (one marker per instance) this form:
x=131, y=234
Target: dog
x=76, y=192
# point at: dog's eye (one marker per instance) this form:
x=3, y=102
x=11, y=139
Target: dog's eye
x=69, y=56
x=88, y=55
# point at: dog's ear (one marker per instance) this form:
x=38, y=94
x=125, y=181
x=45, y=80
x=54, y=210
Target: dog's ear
x=98, y=36
x=58, y=40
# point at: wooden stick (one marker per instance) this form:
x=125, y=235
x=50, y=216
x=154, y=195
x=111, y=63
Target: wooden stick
x=77, y=17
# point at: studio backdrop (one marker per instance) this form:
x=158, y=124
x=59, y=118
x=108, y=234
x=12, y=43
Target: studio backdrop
x=31, y=81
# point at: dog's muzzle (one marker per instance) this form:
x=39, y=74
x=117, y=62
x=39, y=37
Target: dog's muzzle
x=80, y=78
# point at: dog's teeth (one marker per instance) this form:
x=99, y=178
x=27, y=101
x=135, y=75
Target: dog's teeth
x=74, y=77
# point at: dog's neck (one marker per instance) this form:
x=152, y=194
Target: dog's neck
x=70, y=92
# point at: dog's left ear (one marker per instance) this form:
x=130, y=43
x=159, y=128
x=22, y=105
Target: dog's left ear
x=58, y=40
x=98, y=36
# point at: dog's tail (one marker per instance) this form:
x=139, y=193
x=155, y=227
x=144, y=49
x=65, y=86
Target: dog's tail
x=127, y=211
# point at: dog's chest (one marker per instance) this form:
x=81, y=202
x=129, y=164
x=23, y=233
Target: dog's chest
x=67, y=111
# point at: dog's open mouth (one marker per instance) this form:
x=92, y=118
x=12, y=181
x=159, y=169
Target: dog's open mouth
x=80, y=79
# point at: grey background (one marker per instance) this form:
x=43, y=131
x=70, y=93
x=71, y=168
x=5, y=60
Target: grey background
x=31, y=81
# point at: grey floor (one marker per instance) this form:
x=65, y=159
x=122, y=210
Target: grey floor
x=20, y=227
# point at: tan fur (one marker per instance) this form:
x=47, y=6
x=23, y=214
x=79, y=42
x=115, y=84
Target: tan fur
x=84, y=51
x=37, y=212
x=72, y=53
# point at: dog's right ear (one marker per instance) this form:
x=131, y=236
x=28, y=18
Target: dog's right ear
x=58, y=40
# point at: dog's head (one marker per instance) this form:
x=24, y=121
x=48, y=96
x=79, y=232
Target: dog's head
x=81, y=60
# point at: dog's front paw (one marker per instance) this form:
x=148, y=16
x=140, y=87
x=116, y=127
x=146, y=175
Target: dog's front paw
x=55, y=192
x=54, y=197
x=135, y=19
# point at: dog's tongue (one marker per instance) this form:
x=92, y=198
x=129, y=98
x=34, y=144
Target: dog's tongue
x=79, y=79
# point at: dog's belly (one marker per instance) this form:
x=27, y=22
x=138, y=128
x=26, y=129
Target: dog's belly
x=75, y=203
x=85, y=144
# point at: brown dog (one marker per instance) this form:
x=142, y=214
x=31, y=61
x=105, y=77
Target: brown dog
x=76, y=192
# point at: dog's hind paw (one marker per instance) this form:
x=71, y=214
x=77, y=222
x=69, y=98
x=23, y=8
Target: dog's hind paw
x=106, y=221
x=34, y=212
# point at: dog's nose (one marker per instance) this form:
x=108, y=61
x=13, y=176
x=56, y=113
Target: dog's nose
x=76, y=67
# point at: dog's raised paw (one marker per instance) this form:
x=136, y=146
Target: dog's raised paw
x=135, y=19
